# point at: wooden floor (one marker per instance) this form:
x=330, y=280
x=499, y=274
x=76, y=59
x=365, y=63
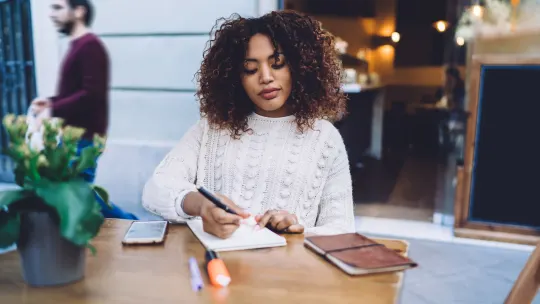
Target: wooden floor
x=401, y=186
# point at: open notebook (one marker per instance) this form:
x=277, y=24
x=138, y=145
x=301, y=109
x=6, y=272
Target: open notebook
x=243, y=238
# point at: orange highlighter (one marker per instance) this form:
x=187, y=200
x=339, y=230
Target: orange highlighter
x=217, y=272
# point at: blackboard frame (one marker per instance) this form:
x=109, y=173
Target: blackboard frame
x=464, y=226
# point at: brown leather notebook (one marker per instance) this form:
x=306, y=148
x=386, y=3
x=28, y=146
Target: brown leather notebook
x=356, y=254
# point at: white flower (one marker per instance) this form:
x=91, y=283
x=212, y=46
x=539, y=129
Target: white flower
x=466, y=33
x=496, y=19
x=36, y=141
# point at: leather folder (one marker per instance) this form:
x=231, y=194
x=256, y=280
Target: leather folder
x=356, y=254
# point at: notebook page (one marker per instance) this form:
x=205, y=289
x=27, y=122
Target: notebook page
x=242, y=239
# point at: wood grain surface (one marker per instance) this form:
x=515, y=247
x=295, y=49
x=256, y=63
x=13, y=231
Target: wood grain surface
x=160, y=274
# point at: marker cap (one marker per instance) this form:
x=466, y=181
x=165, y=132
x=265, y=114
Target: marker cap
x=218, y=273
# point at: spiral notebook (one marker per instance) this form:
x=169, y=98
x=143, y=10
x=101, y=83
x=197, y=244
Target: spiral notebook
x=244, y=238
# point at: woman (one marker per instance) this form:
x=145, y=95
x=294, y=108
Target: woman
x=452, y=97
x=453, y=90
x=265, y=87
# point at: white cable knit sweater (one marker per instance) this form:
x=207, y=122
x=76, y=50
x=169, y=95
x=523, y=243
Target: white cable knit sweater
x=272, y=167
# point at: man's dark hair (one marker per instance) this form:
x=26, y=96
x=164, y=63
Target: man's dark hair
x=87, y=5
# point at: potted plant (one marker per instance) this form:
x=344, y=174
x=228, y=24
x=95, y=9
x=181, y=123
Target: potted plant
x=53, y=215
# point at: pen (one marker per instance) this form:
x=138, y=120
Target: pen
x=214, y=199
x=217, y=272
x=196, y=279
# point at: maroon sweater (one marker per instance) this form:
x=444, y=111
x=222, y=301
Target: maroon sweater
x=82, y=98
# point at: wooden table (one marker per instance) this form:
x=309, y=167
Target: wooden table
x=159, y=274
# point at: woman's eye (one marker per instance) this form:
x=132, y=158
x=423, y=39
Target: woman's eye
x=250, y=72
x=250, y=67
x=278, y=66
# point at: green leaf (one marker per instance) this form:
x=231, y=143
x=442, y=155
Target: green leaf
x=103, y=194
x=9, y=197
x=78, y=210
x=92, y=249
x=20, y=174
x=86, y=160
x=9, y=229
x=58, y=163
x=33, y=168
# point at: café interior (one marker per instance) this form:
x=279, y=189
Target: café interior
x=394, y=57
x=415, y=75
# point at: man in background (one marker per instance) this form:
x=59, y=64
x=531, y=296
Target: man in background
x=82, y=98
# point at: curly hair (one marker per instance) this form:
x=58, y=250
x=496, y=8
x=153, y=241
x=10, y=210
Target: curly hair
x=309, y=52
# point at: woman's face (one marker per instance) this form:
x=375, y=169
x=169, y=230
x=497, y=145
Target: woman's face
x=266, y=77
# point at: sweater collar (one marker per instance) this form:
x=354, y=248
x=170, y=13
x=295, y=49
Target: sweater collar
x=258, y=117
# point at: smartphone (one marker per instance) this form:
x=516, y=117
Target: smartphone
x=145, y=232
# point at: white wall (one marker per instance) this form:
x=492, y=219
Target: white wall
x=46, y=48
x=155, y=49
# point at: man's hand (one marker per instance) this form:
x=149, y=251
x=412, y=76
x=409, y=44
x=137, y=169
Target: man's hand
x=40, y=104
x=279, y=221
x=218, y=222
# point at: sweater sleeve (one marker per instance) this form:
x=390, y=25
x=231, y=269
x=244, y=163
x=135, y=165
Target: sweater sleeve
x=94, y=67
x=336, y=210
x=174, y=177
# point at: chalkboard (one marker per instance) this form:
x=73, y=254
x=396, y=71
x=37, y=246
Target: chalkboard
x=505, y=175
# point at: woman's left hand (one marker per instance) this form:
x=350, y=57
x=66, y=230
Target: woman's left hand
x=279, y=221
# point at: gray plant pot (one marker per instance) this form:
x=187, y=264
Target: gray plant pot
x=48, y=259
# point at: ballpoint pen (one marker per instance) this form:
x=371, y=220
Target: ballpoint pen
x=214, y=199
x=196, y=279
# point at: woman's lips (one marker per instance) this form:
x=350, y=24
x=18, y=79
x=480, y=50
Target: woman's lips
x=269, y=93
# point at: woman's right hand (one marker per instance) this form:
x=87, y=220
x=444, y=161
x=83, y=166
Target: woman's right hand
x=218, y=222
